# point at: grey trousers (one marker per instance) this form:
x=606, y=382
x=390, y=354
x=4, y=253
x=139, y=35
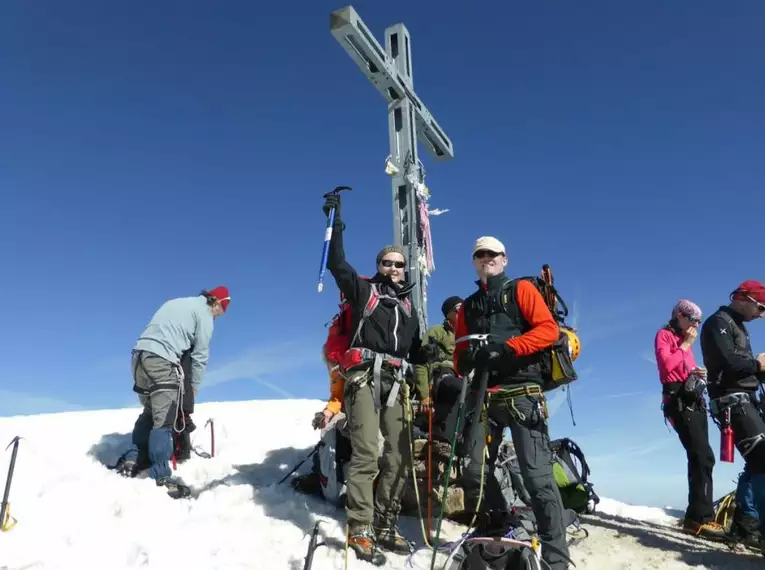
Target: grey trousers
x=525, y=417
x=153, y=430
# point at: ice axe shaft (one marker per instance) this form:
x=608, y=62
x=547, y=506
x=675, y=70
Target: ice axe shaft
x=313, y=544
x=5, y=514
x=328, y=236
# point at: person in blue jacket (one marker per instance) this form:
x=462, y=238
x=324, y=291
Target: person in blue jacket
x=179, y=325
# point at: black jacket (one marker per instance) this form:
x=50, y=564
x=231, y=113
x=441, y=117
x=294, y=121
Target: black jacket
x=727, y=353
x=495, y=311
x=388, y=330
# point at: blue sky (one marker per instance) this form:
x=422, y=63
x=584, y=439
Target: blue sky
x=148, y=151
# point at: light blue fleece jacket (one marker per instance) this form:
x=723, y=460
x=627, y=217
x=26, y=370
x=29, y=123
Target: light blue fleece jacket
x=175, y=327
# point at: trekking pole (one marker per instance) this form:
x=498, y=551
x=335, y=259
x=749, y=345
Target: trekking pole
x=5, y=509
x=482, y=340
x=307, y=457
x=328, y=235
x=430, y=461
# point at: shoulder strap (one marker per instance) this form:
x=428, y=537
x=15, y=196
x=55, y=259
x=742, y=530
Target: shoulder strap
x=369, y=308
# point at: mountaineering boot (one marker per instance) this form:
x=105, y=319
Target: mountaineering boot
x=389, y=538
x=361, y=540
x=175, y=487
x=710, y=530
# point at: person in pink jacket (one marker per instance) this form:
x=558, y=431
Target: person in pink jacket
x=683, y=385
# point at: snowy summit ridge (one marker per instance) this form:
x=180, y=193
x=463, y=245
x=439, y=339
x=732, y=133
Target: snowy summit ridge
x=73, y=513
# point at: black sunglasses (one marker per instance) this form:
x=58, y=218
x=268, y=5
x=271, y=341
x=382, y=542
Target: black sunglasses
x=485, y=252
x=391, y=263
x=694, y=320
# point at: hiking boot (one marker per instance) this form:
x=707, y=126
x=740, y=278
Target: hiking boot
x=361, y=540
x=710, y=530
x=389, y=538
x=175, y=488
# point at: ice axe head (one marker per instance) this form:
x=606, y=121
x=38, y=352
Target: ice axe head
x=337, y=190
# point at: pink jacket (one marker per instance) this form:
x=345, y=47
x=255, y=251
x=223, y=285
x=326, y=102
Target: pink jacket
x=675, y=364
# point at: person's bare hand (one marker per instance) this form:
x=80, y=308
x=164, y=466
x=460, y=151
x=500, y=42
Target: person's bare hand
x=701, y=371
x=761, y=360
x=690, y=336
x=425, y=405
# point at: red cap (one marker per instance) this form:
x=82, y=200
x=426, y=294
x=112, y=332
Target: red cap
x=221, y=293
x=753, y=289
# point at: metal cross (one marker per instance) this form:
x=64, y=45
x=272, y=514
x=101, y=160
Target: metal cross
x=390, y=70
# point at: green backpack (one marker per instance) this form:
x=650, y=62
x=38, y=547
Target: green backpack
x=572, y=479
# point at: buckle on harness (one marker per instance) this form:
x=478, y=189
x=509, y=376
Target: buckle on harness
x=724, y=403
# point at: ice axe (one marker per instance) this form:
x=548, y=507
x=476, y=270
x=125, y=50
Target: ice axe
x=328, y=235
x=7, y=522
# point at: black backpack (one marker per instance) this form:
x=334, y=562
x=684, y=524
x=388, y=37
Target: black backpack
x=497, y=555
x=557, y=366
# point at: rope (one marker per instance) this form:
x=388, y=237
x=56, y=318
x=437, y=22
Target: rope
x=410, y=431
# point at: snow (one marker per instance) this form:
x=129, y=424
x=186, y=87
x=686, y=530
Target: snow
x=75, y=514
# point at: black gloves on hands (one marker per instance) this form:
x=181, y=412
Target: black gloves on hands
x=490, y=355
x=332, y=201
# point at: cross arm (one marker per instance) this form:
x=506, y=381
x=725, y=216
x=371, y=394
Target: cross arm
x=354, y=36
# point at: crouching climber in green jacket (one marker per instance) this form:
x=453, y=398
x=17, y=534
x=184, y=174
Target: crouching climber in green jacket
x=158, y=380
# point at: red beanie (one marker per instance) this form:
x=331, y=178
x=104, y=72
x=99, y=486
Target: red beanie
x=221, y=293
x=753, y=289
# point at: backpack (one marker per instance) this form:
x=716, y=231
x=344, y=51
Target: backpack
x=337, y=349
x=505, y=542
x=572, y=479
x=557, y=360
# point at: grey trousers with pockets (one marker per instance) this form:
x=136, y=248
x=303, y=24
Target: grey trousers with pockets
x=525, y=417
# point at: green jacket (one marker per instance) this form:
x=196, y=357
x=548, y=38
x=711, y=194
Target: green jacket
x=443, y=335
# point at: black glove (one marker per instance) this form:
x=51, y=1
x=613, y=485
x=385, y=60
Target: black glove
x=429, y=353
x=465, y=363
x=489, y=356
x=332, y=201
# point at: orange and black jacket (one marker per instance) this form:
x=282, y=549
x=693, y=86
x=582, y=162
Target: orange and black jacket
x=515, y=314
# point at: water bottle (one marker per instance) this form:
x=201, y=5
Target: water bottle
x=726, y=445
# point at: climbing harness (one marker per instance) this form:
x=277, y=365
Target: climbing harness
x=7, y=522
x=721, y=408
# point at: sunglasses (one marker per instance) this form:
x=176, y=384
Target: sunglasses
x=391, y=263
x=760, y=306
x=485, y=253
x=693, y=320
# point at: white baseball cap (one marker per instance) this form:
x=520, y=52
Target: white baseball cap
x=489, y=243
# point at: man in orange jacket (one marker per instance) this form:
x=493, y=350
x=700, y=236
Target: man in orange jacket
x=521, y=326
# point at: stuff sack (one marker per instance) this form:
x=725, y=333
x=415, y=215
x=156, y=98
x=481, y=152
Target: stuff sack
x=572, y=476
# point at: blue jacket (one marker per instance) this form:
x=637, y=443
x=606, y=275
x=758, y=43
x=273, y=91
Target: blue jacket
x=175, y=327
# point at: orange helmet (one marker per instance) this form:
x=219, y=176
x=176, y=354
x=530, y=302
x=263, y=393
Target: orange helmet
x=574, y=346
